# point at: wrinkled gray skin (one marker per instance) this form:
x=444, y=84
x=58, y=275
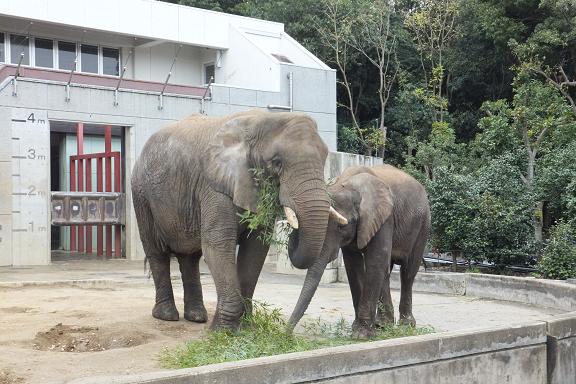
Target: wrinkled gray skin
x=191, y=180
x=388, y=223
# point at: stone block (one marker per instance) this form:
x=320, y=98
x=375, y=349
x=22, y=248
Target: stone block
x=561, y=360
x=562, y=326
x=541, y=292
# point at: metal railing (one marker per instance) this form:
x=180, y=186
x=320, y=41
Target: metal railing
x=202, y=105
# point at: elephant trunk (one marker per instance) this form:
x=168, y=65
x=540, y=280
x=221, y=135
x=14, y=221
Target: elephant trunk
x=313, y=278
x=312, y=209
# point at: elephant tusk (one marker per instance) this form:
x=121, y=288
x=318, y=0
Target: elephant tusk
x=291, y=217
x=337, y=216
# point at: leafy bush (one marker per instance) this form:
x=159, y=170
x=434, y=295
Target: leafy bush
x=265, y=333
x=268, y=210
x=559, y=257
x=348, y=140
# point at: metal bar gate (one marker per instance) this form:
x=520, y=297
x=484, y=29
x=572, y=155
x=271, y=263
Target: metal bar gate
x=83, y=208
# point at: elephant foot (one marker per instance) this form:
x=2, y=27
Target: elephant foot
x=196, y=314
x=166, y=311
x=407, y=320
x=362, y=330
x=384, y=319
x=231, y=326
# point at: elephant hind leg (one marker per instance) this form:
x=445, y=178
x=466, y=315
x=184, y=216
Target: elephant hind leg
x=164, y=308
x=158, y=259
x=194, y=309
x=408, y=272
x=385, y=312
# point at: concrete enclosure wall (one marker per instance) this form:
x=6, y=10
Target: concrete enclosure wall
x=540, y=352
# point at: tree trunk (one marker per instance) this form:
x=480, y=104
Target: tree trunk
x=538, y=221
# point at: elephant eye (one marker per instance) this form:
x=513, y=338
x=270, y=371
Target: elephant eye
x=276, y=165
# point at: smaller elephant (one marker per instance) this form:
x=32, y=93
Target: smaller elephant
x=384, y=220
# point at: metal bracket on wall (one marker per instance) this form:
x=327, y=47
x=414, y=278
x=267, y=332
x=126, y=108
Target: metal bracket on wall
x=161, y=96
x=290, y=106
x=15, y=79
x=120, y=79
x=67, y=98
x=202, y=105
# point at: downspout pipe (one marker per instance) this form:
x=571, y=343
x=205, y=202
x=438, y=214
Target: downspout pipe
x=290, y=106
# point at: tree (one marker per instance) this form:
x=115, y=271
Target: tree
x=375, y=37
x=537, y=109
x=559, y=256
x=550, y=50
x=432, y=24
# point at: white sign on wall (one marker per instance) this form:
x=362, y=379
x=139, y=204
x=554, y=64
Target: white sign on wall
x=30, y=187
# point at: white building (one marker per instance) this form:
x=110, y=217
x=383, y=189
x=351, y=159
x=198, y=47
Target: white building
x=134, y=66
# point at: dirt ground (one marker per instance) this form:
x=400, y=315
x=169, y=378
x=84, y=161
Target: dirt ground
x=59, y=333
x=55, y=333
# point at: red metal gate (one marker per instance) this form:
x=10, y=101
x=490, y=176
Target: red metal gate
x=81, y=181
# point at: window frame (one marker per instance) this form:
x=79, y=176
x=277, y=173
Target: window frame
x=79, y=56
x=54, y=54
x=205, y=65
x=8, y=48
x=101, y=60
x=5, y=58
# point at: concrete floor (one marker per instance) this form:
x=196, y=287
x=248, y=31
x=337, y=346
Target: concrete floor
x=331, y=302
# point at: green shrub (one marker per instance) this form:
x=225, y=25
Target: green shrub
x=265, y=333
x=559, y=256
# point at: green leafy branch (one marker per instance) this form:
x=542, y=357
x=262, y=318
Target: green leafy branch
x=268, y=210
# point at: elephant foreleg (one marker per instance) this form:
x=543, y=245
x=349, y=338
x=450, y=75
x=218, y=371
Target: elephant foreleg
x=354, y=263
x=194, y=309
x=251, y=256
x=377, y=265
x=219, y=238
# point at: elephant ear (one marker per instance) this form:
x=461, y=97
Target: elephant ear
x=227, y=164
x=374, y=208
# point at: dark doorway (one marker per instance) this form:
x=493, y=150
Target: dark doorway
x=87, y=158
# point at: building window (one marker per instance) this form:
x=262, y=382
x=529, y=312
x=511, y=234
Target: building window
x=66, y=55
x=44, y=53
x=2, y=49
x=209, y=73
x=89, y=58
x=110, y=61
x=19, y=45
x=282, y=58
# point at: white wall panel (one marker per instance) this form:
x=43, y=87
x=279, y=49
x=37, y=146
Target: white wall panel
x=141, y=18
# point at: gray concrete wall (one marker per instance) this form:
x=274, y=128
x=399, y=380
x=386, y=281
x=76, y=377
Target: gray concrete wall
x=501, y=355
x=541, y=352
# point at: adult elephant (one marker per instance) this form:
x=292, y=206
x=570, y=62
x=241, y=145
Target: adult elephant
x=191, y=181
x=385, y=220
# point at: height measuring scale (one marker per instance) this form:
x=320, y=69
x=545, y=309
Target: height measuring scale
x=30, y=187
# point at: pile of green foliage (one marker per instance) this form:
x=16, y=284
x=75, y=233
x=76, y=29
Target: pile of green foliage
x=268, y=210
x=559, y=256
x=265, y=333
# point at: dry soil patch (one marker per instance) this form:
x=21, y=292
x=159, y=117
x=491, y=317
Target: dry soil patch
x=55, y=334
